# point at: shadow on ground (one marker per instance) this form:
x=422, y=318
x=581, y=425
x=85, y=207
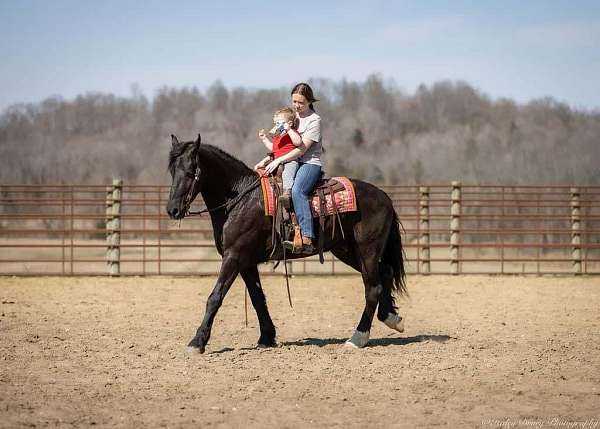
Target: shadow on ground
x=374, y=342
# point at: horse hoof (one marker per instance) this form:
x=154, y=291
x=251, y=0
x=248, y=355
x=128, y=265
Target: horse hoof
x=266, y=341
x=196, y=345
x=192, y=350
x=358, y=340
x=393, y=321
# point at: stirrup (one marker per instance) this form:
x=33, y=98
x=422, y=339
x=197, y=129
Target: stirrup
x=305, y=249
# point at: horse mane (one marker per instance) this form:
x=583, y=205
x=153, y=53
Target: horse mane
x=206, y=149
x=222, y=155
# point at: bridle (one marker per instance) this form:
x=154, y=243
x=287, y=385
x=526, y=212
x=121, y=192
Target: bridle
x=228, y=205
x=189, y=196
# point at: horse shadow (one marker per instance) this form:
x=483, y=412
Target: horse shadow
x=373, y=342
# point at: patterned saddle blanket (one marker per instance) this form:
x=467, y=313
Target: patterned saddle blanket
x=338, y=193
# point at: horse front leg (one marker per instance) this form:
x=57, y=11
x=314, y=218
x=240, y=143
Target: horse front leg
x=259, y=302
x=227, y=274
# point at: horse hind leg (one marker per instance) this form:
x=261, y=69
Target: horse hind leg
x=348, y=255
x=387, y=311
x=378, y=294
x=373, y=290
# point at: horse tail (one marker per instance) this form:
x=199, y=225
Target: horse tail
x=394, y=256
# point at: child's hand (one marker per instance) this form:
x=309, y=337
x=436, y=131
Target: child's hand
x=261, y=134
x=287, y=125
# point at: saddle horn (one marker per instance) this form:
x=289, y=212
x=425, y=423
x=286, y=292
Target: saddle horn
x=199, y=139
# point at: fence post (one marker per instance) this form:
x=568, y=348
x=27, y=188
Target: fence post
x=455, y=196
x=576, y=230
x=113, y=227
x=424, y=227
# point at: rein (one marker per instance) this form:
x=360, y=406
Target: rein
x=228, y=205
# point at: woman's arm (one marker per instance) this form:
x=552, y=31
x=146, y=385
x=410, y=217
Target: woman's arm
x=290, y=156
x=302, y=143
x=312, y=133
x=262, y=163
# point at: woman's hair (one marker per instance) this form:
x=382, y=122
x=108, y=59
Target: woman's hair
x=305, y=90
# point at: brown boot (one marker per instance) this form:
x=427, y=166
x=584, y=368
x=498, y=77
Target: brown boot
x=306, y=249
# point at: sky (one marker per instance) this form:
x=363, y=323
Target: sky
x=516, y=49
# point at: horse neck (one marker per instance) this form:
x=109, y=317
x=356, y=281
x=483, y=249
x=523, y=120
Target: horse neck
x=222, y=177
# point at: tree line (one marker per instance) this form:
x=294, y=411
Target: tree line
x=372, y=130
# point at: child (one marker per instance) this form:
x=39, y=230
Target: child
x=285, y=139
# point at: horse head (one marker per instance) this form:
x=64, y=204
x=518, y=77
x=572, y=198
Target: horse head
x=185, y=174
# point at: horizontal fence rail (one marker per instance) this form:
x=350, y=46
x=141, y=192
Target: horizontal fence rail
x=447, y=229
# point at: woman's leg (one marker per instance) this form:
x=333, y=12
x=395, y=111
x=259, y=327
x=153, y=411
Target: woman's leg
x=306, y=177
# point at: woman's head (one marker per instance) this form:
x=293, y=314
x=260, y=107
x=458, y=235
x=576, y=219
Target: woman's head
x=303, y=98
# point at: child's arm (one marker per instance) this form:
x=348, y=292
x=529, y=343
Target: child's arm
x=263, y=138
x=295, y=137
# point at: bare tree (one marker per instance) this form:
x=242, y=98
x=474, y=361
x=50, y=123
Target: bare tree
x=372, y=130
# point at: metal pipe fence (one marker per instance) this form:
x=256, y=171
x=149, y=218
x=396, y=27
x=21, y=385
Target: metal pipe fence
x=123, y=229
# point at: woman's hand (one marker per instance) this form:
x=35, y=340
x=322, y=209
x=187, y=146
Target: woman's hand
x=262, y=163
x=272, y=166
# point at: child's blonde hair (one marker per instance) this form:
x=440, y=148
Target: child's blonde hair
x=288, y=115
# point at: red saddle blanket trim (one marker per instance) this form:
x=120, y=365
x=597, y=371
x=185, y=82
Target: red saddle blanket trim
x=345, y=199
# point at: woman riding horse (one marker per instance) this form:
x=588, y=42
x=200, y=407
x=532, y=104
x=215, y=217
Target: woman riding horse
x=370, y=243
x=309, y=159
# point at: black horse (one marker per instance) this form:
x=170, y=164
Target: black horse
x=371, y=243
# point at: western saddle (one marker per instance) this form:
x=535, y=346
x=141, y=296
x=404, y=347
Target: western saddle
x=285, y=223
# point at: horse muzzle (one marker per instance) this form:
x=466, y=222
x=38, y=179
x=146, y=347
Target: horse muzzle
x=175, y=211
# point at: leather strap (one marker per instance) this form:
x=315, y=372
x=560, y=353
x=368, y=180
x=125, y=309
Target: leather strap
x=322, y=206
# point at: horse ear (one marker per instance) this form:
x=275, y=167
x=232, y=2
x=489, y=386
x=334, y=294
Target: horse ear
x=199, y=139
x=174, y=140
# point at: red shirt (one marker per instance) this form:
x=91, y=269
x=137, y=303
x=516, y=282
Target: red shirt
x=282, y=145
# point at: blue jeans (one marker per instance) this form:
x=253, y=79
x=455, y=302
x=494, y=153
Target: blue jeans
x=306, y=177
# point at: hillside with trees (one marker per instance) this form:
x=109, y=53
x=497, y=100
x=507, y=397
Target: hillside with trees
x=372, y=130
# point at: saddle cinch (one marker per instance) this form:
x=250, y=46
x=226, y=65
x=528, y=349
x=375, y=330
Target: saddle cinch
x=330, y=197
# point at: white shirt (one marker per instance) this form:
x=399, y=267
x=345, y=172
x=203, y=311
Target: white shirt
x=310, y=128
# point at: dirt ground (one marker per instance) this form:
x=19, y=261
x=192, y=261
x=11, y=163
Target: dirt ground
x=478, y=351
